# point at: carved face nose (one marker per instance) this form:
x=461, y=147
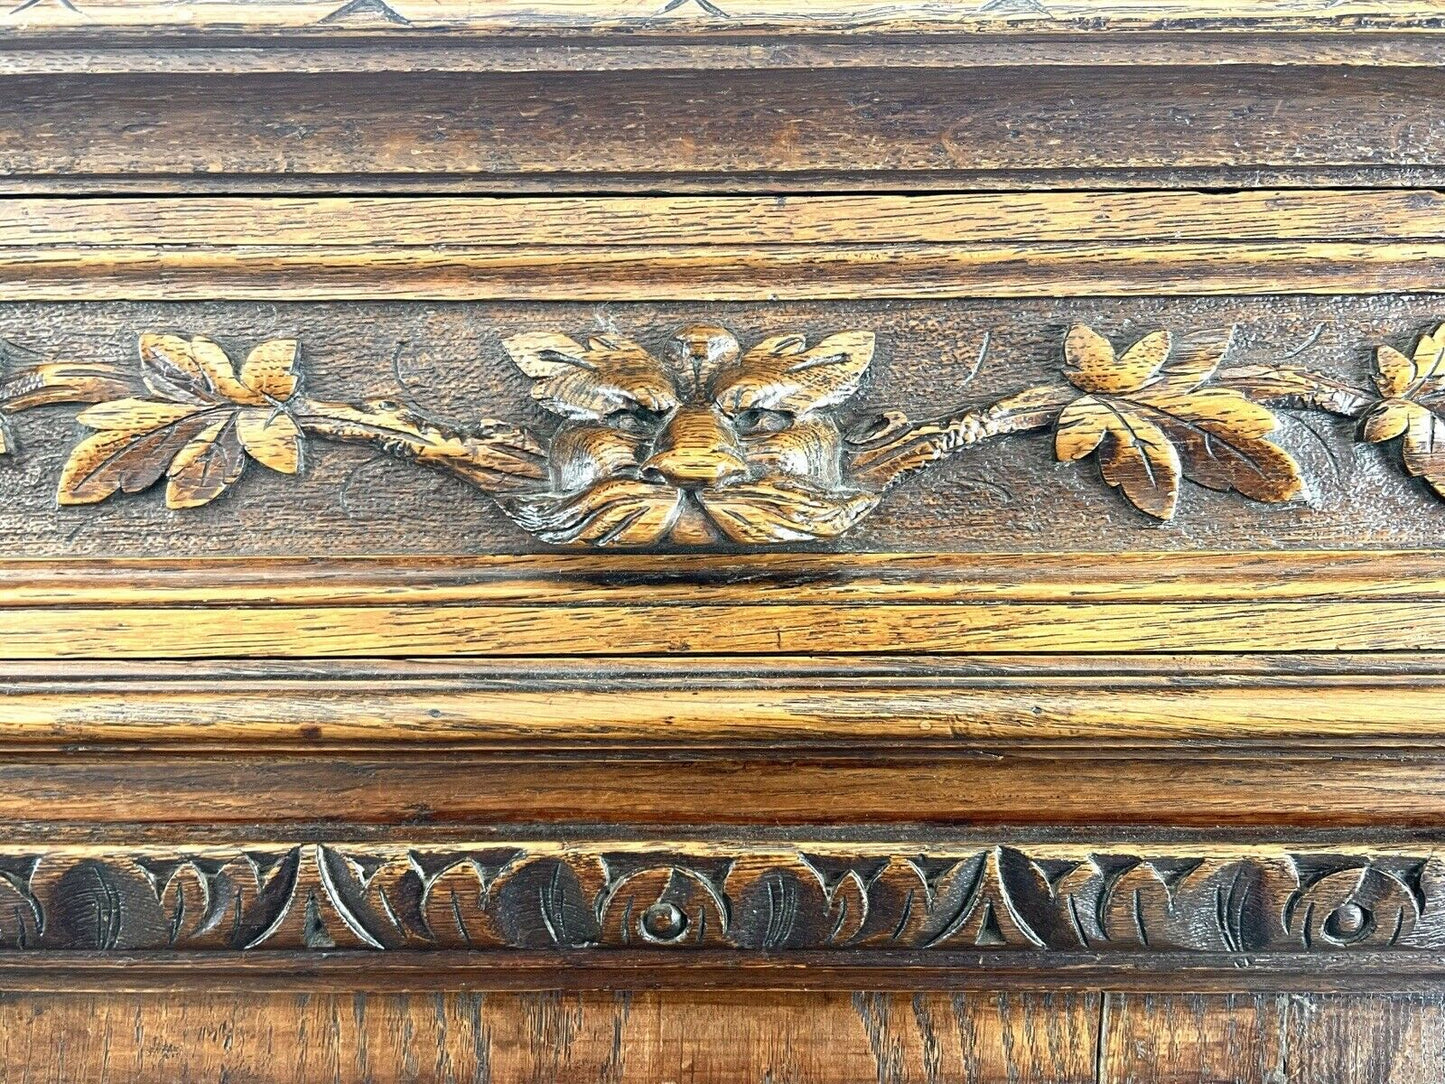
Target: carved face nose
x=696, y=450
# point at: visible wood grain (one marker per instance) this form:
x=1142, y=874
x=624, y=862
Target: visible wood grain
x=532, y=129
x=621, y=1037
x=1033, y=753
x=1172, y=704
x=446, y=366
x=773, y=578
x=806, y=901
x=833, y=16
x=859, y=1038
x=571, y=223
x=1279, y=790
x=1173, y=1039
x=335, y=51
x=399, y=631
x=782, y=272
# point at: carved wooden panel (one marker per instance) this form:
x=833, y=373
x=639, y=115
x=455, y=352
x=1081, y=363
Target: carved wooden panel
x=1321, y=408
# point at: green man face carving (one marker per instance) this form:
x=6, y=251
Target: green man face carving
x=705, y=444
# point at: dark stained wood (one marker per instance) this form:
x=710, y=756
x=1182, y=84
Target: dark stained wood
x=807, y=902
x=707, y=127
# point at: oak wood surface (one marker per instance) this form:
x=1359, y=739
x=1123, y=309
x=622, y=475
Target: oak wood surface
x=528, y=130
x=235, y=766
x=1313, y=789
x=862, y=1037
x=442, y=366
x=710, y=703
x=571, y=222
x=335, y=51
x=520, y=17
x=129, y=631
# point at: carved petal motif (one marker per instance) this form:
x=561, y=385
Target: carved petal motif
x=1415, y=396
x=784, y=373
x=607, y=374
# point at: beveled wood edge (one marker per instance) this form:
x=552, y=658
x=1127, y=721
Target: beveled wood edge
x=602, y=605
x=312, y=53
x=646, y=183
x=259, y=971
x=573, y=222
x=833, y=272
x=722, y=248
x=585, y=579
x=1180, y=706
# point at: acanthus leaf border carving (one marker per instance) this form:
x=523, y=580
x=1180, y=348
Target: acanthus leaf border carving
x=835, y=896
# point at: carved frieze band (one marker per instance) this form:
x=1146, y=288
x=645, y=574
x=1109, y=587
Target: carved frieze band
x=707, y=443
x=1065, y=898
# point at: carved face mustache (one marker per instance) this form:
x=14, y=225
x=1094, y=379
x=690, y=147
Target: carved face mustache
x=629, y=512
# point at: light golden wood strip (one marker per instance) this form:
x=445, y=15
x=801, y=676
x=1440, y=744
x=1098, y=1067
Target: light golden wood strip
x=392, y=631
x=820, y=714
x=585, y=579
x=647, y=1036
x=572, y=222
x=718, y=272
x=830, y=16
x=292, y=55
x=75, y=790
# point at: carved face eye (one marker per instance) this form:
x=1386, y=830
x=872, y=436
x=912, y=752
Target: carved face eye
x=639, y=421
x=756, y=422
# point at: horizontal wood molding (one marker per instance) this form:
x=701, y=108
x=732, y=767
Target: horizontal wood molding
x=724, y=248
x=961, y=896
x=569, y=223
x=829, y=604
x=1284, y=789
x=833, y=16
x=620, y=578
x=1179, y=706
x=339, y=52
x=719, y=273
x=903, y=128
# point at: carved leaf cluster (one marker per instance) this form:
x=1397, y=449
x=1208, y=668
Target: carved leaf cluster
x=199, y=423
x=1413, y=399
x=1152, y=419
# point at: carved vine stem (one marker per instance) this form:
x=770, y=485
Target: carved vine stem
x=1298, y=388
x=495, y=457
x=893, y=448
